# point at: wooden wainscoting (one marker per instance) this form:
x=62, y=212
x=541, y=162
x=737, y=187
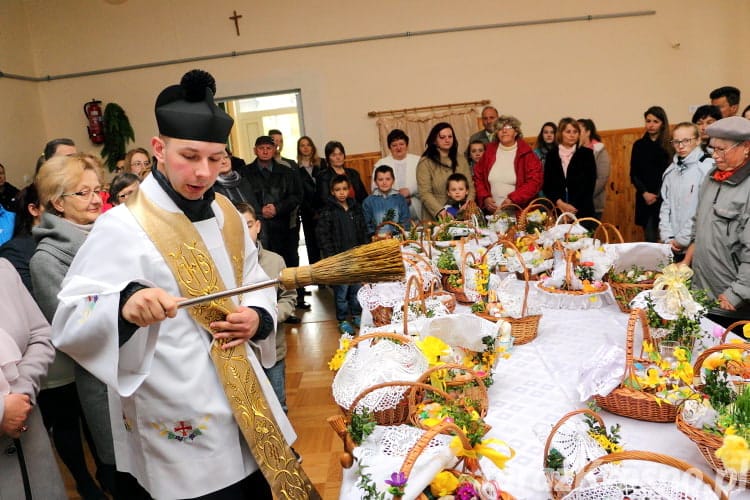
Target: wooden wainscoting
x=620, y=207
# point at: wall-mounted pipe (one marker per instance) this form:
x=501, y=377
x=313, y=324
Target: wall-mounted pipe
x=326, y=43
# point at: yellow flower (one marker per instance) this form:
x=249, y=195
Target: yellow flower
x=733, y=354
x=337, y=360
x=685, y=372
x=433, y=348
x=713, y=361
x=681, y=354
x=444, y=483
x=648, y=347
x=652, y=378
x=734, y=453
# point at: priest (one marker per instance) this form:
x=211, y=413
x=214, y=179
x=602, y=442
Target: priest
x=174, y=403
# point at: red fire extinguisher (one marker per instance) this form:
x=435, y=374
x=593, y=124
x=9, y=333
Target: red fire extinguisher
x=93, y=112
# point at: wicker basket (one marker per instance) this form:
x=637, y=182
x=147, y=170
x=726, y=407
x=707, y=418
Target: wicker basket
x=542, y=204
x=474, y=391
x=394, y=416
x=707, y=442
x=592, y=493
x=468, y=466
x=382, y=315
x=400, y=412
x=558, y=488
x=401, y=231
x=630, y=402
x=625, y=292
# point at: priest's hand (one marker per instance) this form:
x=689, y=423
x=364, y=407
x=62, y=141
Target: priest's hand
x=17, y=409
x=239, y=327
x=148, y=306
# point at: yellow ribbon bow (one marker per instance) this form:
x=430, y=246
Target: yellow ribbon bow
x=484, y=449
x=675, y=294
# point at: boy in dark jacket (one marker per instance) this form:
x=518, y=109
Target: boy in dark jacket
x=342, y=227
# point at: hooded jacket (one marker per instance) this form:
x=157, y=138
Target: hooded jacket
x=679, y=193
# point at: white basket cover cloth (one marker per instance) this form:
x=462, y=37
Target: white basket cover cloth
x=366, y=365
x=383, y=453
x=460, y=330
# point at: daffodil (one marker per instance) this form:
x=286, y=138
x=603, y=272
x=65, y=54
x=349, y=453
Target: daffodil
x=681, y=354
x=433, y=348
x=652, y=378
x=735, y=453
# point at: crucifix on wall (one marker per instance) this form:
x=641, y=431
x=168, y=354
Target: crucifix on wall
x=236, y=18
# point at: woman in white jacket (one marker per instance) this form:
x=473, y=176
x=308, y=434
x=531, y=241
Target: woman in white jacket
x=680, y=186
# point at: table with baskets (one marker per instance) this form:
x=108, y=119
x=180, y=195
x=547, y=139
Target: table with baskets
x=537, y=385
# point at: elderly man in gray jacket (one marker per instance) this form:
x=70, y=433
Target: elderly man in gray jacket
x=721, y=259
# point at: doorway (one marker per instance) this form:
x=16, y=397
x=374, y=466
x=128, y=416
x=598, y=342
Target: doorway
x=255, y=115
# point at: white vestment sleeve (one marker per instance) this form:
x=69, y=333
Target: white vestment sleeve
x=86, y=328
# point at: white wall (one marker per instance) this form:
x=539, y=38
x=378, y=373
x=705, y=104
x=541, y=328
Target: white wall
x=609, y=70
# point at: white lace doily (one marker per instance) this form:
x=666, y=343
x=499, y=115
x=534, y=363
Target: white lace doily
x=366, y=365
x=383, y=453
x=602, y=372
x=649, y=490
x=578, y=448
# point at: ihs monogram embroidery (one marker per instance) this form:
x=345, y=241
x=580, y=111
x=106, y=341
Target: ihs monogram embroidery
x=182, y=430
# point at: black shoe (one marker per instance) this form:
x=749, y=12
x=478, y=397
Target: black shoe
x=307, y=292
x=293, y=320
x=303, y=305
x=297, y=456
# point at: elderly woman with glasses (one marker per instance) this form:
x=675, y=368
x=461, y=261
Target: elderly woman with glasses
x=69, y=189
x=721, y=243
x=509, y=172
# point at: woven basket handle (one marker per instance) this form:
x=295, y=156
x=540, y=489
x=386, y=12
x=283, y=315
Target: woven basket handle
x=380, y=335
x=451, y=366
x=421, y=444
x=559, y=424
x=732, y=327
x=544, y=202
x=744, y=346
x=413, y=280
x=607, y=227
x=562, y=216
x=406, y=384
x=526, y=276
x=395, y=224
x=635, y=316
x=651, y=457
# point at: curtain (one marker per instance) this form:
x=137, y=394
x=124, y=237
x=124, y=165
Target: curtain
x=417, y=126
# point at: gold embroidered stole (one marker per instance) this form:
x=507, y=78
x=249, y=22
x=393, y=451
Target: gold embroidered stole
x=191, y=263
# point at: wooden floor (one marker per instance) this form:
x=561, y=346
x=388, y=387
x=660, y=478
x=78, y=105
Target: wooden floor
x=310, y=346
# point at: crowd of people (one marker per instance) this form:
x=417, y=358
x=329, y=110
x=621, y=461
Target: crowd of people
x=133, y=395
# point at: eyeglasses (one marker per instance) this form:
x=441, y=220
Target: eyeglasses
x=85, y=194
x=683, y=142
x=507, y=127
x=124, y=196
x=723, y=151
x=140, y=163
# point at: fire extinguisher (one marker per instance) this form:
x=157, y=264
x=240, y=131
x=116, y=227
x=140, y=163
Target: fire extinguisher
x=93, y=112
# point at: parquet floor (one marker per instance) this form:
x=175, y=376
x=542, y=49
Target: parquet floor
x=310, y=345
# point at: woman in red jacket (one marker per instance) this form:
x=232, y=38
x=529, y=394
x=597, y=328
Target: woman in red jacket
x=509, y=171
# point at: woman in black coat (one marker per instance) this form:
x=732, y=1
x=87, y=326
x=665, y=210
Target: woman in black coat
x=650, y=157
x=570, y=172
